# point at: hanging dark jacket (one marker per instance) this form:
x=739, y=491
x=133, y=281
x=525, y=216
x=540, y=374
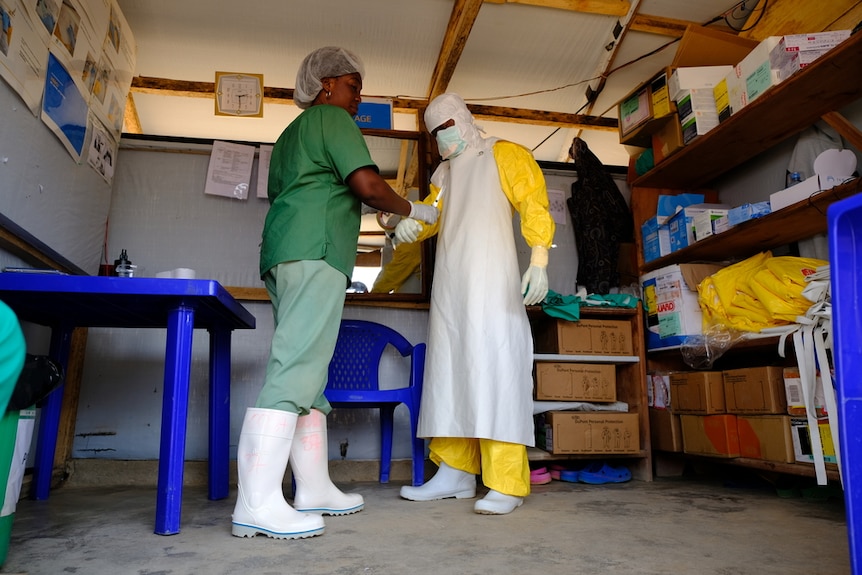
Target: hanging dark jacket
x=601, y=218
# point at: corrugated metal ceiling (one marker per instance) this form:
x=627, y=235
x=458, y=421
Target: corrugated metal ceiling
x=513, y=49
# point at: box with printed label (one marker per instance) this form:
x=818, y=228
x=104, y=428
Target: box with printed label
x=656, y=239
x=681, y=224
x=795, y=398
x=753, y=390
x=795, y=51
x=802, y=447
x=703, y=223
x=670, y=302
x=765, y=437
x=712, y=435
x=665, y=430
x=697, y=392
x=729, y=95
x=698, y=124
x=755, y=70
x=693, y=77
x=599, y=432
x=584, y=337
x=567, y=381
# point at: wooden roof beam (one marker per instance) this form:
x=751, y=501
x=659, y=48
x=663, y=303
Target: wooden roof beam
x=603, y=7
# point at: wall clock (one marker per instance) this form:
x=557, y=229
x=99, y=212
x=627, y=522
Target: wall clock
x=239, y=94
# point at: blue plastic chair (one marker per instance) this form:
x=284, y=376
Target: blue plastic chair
x=844, y=220
x=354, y=382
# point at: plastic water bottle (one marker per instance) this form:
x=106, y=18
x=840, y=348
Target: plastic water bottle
x=793, y=179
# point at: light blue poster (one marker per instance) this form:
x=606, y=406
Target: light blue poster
x=64, y=109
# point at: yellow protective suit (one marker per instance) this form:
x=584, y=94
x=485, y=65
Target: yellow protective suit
x=759, y=292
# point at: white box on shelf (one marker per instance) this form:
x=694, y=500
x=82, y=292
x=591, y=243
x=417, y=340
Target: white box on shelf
x=795, y=194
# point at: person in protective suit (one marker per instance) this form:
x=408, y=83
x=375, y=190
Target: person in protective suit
x=477, y=399
x=321, y=172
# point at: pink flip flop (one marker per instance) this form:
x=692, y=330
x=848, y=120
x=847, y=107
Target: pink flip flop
x=540, y=476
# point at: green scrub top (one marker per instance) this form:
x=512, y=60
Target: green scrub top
x=313, y=214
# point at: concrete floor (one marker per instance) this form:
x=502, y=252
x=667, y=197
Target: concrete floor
x=694, y=524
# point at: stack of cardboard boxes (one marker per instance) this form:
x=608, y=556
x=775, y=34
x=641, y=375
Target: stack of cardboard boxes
x=713, y=76
x=751, y=412
x=582, y=380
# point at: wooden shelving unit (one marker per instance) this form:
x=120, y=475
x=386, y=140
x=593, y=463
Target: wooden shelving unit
x=816, y=92
x=631, y=386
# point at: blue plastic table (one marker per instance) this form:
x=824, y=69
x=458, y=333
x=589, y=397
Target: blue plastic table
x=66, y=302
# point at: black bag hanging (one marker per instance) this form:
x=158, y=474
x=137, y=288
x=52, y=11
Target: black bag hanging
x=601, y=218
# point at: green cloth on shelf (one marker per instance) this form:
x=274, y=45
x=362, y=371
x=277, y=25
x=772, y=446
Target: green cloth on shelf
x=568, y=307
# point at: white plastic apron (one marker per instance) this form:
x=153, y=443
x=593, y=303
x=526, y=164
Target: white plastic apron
x=478, y=371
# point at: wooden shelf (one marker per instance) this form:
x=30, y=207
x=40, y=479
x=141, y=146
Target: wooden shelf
x=791, y=224
x=828, y=84
x=818, y=91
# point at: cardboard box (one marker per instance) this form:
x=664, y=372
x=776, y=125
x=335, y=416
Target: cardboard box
x=584, y=337
x=729, y=95
x=755, y=69
x=795, y=194
x=795, y=399
x=668, y=205
x=605, y=432
x=656, y=239
x=671, y=305
x=813, y=40
x=702, y=46
x=667, y=139
x=658, y=389
x=665, y=430
x=696, y=101
x=681, y=224
x=661, y=100
x=712, y=435
x=698, y=124
x=634, y=110
x=765, y=437
x=699, y=46
x=697, y=392
x=695, y=77
x=795, y=51
x=702, y=224
x=755, y=390
x=801, y=436
x=566, y=381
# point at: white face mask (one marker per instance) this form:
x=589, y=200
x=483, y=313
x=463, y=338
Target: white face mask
x=450, y=143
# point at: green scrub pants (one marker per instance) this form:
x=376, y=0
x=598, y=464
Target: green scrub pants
x=12, y=354
x=307, y=303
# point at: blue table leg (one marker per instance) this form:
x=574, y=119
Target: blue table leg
x=219, y=424
x=49, y=417
x=175, y=407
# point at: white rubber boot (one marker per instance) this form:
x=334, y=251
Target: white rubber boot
x=496, y=503
x=447, y=482
x=309, y=460
x=264, y=446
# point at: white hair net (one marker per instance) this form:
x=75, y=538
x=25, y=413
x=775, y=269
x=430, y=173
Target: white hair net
x=326, y=62
x=451, y=106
